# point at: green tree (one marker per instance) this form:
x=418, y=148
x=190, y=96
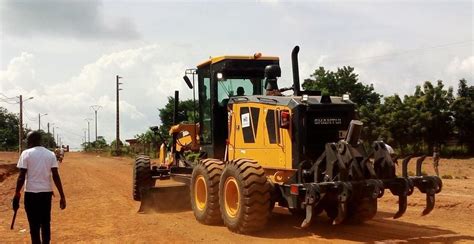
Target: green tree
x=343, y=81
x=423, y=118
x=8, y=130
x=47, y=139
x=436, y=113
x=100, y=143
x=463, y=114
x=149, y=140
x=185, y=113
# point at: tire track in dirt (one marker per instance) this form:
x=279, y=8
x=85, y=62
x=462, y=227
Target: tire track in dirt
x=100, y=209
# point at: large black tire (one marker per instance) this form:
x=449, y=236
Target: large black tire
x=361, y=210
x=142, y=180
x=205, y=191
x=244, y=195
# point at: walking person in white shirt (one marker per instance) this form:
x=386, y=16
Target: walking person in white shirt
x=37, y=165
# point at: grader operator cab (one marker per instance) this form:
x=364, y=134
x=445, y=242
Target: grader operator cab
x=258, y=148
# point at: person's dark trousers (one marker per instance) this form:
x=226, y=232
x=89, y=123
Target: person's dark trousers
x=38, y=211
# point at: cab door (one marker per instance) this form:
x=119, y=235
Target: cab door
x=255, y=134
x=273, y=140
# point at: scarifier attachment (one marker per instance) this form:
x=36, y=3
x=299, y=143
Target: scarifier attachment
x=399, y=187
x=344, y=174
x=343, y=195
x=429, y=185
x=313, y=195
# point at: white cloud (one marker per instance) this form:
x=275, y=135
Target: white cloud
x=19, y=72
x=66, y=72
x=462, y=68
x=150, y=74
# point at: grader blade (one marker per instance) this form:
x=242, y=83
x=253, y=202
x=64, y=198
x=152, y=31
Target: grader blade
x=165, y=198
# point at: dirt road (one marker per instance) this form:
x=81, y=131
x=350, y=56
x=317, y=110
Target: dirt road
x=100, y=209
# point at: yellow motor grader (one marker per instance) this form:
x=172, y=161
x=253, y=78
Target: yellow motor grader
x=258, y=148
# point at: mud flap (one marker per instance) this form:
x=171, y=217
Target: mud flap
x=172, y=197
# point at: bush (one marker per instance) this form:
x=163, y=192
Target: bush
x=454, y=151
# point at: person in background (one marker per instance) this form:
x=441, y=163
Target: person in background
x=390, y=151
x=59, y=152
x=37, y=165
x=436, y=159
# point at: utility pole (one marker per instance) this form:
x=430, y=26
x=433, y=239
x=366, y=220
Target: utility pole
x=96, y=108
x=20, y=126
x=88, y=131
x=117, y=139
x=49, y=141
x=39, y=120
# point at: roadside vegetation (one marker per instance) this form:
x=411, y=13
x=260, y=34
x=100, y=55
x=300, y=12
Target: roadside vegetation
x=413, y=124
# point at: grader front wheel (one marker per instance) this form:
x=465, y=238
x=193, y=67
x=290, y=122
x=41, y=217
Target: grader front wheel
x=244, y=196
x=142, y=180
x=205, y=189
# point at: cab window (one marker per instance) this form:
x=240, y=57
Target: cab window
x=227, y=88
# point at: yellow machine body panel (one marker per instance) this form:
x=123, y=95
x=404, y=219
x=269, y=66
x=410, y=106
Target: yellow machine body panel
x=187, y=136
x=217, y=59
x=255, y=133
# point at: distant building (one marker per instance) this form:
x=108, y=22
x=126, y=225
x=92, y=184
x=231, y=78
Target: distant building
x=137, y=147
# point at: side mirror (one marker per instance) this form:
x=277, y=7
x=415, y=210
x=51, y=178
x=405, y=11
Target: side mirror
x=272, y=71
x=188, y=82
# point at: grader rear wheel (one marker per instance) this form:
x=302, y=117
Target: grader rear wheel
x=205, y=191
x=244, y=196
x=142, y=180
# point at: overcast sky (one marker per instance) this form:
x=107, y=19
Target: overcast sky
x=66, y=54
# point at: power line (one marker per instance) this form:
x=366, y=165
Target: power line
x=72, y=133
x=30, y=118
x=400, y=53
x=6, y=101
x=6, y=97
x=9, y=100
